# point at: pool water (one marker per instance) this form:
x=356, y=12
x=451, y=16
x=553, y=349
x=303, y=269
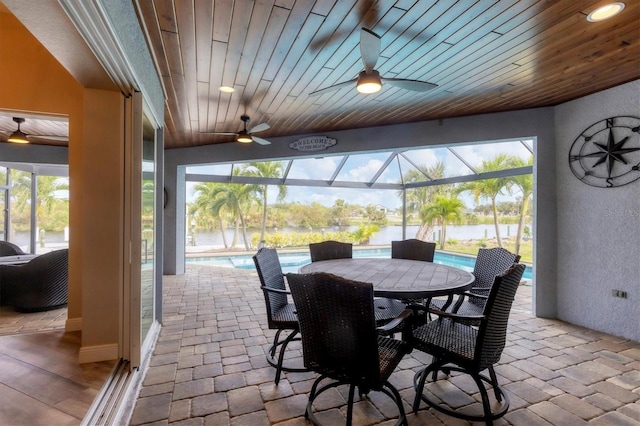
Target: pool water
x=291, y=262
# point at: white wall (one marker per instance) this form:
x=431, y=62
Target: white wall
x=598, y=228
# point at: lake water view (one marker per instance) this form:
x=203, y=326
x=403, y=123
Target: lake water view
x=292, y=262
x=383, y=237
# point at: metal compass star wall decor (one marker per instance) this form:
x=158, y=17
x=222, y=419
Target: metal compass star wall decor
x=607, y=153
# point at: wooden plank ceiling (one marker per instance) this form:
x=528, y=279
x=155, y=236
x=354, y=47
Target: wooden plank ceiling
x=484, y=56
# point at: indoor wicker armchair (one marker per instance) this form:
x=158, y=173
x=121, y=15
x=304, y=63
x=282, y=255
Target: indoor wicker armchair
x=41, y=284
x=10, y=249
x=340, y=341
x=456, y=345
x=281, y=315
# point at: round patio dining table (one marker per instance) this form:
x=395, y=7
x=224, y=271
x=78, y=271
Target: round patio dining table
x=398, y=278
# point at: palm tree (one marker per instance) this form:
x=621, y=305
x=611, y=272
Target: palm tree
x=525, y=183
x=443, y=210
x=236, y=199
x=490, y=188
x=418, y=197
x=205, y=205
x=265, y=169
x=47, y=186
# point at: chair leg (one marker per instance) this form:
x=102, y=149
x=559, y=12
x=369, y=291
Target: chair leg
x=418, y=384
x=487, y=416
x=352, y=389
x=494, y=383
x=395, y=395
x=286, y=341
x=272, y=351
x=486, y=407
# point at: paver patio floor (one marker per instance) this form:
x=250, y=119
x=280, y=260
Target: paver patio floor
x=209, y=367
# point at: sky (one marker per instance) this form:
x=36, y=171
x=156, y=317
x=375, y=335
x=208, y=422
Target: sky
x=363, y=167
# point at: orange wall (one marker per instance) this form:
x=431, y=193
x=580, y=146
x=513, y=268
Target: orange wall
x=32, y=80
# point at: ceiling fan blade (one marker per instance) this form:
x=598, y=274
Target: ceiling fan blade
x=415, y=85
x=50, y=137
x=260, y=140
x=332, y=88
x=259, y=128
x=219, y=133
x=32, y=136
x=369, y=49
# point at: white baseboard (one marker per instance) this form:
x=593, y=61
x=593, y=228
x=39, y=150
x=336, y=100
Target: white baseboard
x=98, y=353
x=73, y=324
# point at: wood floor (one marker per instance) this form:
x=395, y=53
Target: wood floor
x=41, y=382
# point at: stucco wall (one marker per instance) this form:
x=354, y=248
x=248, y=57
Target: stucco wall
x=598, y=228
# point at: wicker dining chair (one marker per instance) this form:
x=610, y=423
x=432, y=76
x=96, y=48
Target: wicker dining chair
x=489, y=263
x=413, y=249
x=340, y=341
x=281, y=315
x=327, y=250
x=386, y=309
x=458, y=346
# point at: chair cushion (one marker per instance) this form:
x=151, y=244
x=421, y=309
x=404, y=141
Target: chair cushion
x=391, y=352
x=447, y=339
x=286, y=316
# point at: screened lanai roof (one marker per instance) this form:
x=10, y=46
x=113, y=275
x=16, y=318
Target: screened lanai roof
x=380, y=169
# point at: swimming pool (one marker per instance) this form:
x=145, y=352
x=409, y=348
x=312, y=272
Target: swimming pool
x=291, y=262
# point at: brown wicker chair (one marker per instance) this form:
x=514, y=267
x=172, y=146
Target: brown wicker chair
x=41, y=284
x=10, y=249
x=459, y=346
x=281, y=315
x=386, y=309
x=340, y=341
x=413, y=249
x=489, y=263
x=328, y=250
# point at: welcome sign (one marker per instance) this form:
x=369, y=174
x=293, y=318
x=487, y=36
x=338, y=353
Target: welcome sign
x=313, y=143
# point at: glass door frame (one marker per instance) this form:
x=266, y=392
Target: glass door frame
x=136, y=347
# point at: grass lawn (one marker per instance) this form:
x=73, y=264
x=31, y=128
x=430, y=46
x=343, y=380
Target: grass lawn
x=472, y=246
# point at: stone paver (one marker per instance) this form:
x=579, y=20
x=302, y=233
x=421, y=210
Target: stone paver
x=209, y=368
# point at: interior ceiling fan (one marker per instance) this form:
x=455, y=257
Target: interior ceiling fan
x=18, y=136
x=244, y=135
x=369, y=80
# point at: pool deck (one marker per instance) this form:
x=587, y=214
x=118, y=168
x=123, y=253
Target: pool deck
x=209, y=367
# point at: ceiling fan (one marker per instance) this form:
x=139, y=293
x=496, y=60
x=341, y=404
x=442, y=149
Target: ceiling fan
x=18, y=136
x=369, y=80
x=244, y=135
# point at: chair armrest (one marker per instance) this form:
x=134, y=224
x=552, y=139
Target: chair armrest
x=479, y=296
x=275, y=290
x=456, y=317
x=394, y=323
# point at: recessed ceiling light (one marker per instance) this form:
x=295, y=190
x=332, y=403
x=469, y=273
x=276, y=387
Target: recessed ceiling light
x=226, y=89
x=605, y=12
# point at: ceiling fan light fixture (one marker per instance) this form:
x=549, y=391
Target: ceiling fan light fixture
x=605, y=12
x=244, y=137
x=18, y=137
x=369, y=83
